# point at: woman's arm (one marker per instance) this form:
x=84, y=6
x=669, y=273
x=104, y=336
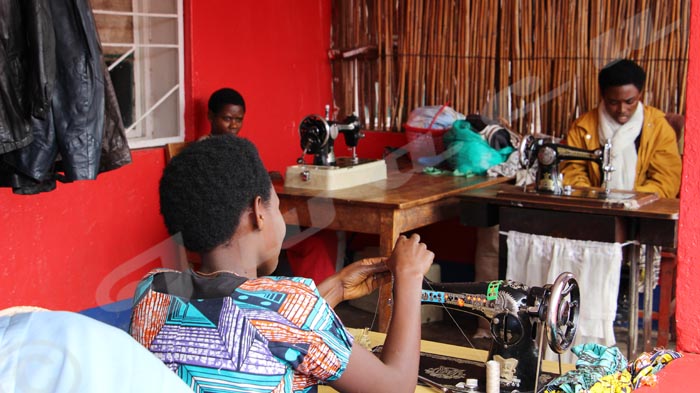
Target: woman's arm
x=397, y=370
x=663, y=173
x=576, y=171
x=358, y=279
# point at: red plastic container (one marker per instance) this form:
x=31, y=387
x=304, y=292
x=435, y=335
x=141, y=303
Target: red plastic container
x=424, y=142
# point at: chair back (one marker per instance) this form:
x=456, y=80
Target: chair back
x=677, y=122
x=173, y=149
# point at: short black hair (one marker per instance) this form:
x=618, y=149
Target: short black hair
x=225, y=96
x=207, y=187
x=621, y=72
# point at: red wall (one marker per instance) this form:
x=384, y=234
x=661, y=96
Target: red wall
x=274, y=53
x=67, y=249
x=688, y=284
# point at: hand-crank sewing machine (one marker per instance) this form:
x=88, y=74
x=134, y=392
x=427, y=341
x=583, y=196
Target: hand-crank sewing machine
x=328, y=172
x=548, y=154
x=515, y=313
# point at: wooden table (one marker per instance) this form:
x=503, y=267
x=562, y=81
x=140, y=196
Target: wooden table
x=448, y=350
x=402, y=202
x=655, y=223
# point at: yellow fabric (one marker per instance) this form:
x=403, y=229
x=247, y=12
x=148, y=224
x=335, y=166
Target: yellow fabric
x=658, y=162
x=620, y=382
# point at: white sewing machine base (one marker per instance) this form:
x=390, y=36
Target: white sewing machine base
x=319, y=177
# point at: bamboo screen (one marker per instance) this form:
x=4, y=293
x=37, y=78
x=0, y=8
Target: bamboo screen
x=531, y=64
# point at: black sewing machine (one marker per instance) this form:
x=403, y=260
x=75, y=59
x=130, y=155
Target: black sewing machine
x=318, y=135
x=548, y=154
x=327, y=172
x=515, y=313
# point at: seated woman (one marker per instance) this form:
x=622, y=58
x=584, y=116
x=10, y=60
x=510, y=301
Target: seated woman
x=312, y=257
x=228, y=327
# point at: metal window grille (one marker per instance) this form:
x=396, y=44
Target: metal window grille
x=143, y=45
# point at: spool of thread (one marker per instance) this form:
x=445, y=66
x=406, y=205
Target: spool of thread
x=472, y=385
x=493, y=377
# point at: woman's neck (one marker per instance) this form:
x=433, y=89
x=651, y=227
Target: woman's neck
x=228, y=258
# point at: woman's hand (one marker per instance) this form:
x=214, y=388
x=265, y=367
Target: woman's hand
x=363, y=277
x=410, y=257
x=396, y=369
x=358, y=279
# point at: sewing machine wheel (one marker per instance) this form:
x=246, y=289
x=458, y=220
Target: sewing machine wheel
x=562, y=312
x=314, y=132
x=546, y=156
x=525, y=149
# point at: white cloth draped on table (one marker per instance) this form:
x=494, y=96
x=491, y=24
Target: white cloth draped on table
x=536, y=260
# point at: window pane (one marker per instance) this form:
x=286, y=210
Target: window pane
x=157, y=71
x=115, y=29
x=156, y=30
x=140, y=40
x=113, y=5
x=159, y=6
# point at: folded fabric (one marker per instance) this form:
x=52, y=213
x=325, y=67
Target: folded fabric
x=468, y=152
x=602, y=370
x=620, y=382
x=648, y=364
x=512, y=168
x=595, y=361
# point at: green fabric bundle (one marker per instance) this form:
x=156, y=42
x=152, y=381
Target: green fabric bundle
x=594, y=362
x=468, y=152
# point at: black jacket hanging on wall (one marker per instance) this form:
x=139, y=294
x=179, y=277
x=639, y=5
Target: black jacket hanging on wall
x=81, y=133
x=115, y=147
x=27, y=69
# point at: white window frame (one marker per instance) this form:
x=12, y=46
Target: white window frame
x=140, y=134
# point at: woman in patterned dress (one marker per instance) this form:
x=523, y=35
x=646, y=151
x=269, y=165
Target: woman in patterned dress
x=230, y=327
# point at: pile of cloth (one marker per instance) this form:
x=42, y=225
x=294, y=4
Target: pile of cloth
x=473, y=144
x=602, y=369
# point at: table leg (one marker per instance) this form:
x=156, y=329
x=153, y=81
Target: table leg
x=633, y=300
x=648, y=295
x=502, y=256
x=387, y=240
x=667, y=281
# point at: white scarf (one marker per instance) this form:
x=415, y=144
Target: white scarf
x=623, y=152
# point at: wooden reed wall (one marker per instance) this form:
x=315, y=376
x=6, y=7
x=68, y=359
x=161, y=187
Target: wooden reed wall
x=532, y=64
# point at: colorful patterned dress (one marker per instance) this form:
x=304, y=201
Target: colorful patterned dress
x=230, y=334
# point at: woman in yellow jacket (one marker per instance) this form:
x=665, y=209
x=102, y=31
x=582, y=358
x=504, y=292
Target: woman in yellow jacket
x=644, y=146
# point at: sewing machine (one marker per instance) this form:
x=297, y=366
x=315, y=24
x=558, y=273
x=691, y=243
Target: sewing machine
x=515, y=313
x=548, y=154
x=327, y=172
x=544, y=152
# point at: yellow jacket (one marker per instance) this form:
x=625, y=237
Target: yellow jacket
x=658, y=160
